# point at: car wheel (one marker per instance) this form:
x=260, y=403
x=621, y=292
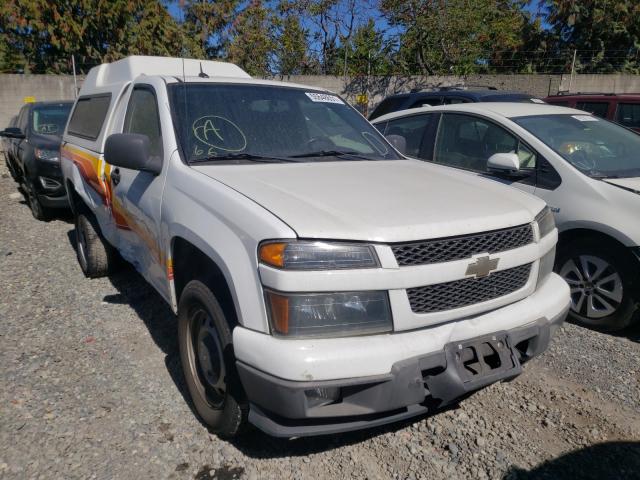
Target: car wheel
x=208, y=362
x=95, y=256
x=37, y=210
x=602, y=284
x=12, y=170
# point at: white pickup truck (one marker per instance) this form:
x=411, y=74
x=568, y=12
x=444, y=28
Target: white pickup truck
x=322, y=282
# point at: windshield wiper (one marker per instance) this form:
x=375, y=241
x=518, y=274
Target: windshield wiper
x=331, y=153
x=241, y=156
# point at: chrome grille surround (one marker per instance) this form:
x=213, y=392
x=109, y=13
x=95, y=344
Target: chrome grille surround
x=439, y=250
x=468, y=291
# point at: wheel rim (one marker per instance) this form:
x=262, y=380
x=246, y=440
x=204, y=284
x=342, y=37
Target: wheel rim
x=596, y=286
x=207, y=358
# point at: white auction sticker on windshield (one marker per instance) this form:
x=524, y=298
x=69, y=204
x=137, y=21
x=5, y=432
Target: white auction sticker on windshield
x=585, y=118
x=536, y=100
x=323, y=97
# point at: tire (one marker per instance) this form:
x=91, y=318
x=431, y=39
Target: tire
x=208, y=362
x=603, y=282
x=12, y=170
x=38, y=211
x=95, y=256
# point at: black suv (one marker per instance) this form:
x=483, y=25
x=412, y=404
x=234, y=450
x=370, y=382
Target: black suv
x=33, y=154
x=447, y=96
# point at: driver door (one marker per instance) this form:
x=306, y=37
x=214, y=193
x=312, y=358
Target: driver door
x=137, y=195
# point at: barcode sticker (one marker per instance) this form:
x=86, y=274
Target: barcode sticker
x=323, y=97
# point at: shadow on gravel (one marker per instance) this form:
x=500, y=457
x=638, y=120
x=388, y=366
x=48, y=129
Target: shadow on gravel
x=615, y=460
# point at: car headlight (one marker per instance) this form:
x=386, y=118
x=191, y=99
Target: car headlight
x=328, y=314
x=546, y=265
x=47, y=155
x=546, y=222
x=310, y=255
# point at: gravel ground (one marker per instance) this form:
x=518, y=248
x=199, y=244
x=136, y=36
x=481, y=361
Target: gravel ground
x=92, y=388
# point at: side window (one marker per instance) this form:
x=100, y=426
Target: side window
x=143, y=118
x=412, y=129
x=599, y=109
x=88, y=116
x=23, y=120
x=465, y=141
x=381, y=127
x=628, y=114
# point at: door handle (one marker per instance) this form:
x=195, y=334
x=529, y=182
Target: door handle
x=115, y=176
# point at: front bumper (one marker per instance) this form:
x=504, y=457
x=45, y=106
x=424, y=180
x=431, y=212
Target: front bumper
x=384, y=378
x=415, y=386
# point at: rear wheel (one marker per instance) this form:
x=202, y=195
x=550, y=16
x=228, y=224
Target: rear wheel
x=95, y=256
x=602, y=283
x=38, y=211
x=208, y=361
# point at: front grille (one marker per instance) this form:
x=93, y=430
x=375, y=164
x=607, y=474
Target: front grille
x=458, y=248
x=460, y=293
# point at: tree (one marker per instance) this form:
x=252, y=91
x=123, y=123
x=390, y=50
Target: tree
x=291, y=47
x=606, y=35
x=333, y=22
x=453, y=36
x=367, y=52
x=251, y=45
x=209, y=21
x=40, y=36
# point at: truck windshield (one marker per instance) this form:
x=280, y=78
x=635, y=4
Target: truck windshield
x=217, y=122
x=594, y=146
x=50, y=119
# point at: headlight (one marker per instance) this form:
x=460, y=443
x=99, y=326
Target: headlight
x=546, y=265
x=546, y=222
x=328, y=314
x=47, y=155
x=308, y=255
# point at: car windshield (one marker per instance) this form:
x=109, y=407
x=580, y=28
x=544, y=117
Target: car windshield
x=594, y=146
x=50, y=119
x=241, y=123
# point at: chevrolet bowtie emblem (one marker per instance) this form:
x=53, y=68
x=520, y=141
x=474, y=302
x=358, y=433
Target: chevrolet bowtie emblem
x=482, y=267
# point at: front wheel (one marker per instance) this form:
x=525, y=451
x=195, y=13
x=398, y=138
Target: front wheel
x=208, y=362
x=602, y=284
x=38, y=211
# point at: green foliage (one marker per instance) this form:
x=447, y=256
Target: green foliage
x=606, y=35
x=289, y=37
x=208, y=22
x=454, y=36
x=366, y=52
x=40, y=36
x=291, y=47
x=251, y=44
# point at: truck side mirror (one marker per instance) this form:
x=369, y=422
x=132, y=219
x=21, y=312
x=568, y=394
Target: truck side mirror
x=131, y=150
x=12, y=132
x=399, y=142
x=504, y=163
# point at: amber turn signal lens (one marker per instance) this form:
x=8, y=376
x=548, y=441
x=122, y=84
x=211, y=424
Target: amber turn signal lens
x=273, y=254
x=279, y=312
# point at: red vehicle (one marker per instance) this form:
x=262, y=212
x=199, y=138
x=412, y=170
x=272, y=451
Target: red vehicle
x=620, y=108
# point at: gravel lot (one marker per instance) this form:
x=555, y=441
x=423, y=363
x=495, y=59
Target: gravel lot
x=92, y=388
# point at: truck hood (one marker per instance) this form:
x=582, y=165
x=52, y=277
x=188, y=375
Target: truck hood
x=380, y=201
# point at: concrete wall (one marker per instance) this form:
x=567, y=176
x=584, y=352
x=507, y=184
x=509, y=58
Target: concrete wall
x=13, y=88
